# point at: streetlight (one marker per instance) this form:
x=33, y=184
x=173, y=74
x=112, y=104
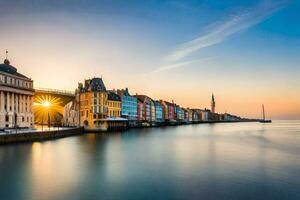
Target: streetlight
x=47, y=105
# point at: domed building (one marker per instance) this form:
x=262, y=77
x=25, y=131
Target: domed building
x=16, y=98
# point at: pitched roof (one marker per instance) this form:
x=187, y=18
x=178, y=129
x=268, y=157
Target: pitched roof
x=113, y=96
x=93, y=85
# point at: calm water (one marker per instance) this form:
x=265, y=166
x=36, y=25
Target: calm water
x=220, y=161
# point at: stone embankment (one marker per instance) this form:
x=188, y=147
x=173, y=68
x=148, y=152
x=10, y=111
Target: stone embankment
x=39, y=135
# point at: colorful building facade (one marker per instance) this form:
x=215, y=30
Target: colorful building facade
x=114, y=105
x=159, y=115
x=129, y=105
x=99, y=109
x=169, y=111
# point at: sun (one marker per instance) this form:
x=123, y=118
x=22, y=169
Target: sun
x=46, y=103
x=47, y=107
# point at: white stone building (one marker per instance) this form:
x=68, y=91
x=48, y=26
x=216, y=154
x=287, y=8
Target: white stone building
x=16, y=98
x=71, y=113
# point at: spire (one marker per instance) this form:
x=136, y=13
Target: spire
x=6, y=61
x=213, y=103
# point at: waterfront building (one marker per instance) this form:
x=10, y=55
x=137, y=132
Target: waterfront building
x=195, y=114
x=99, y=109
x=93, y=103
x=140, y=111
x=186, y=115
x=71, y=113
x=16, y=98
x=148, y=108
x=205, y=114
x=169, y=111
x=153, y=113
x=230, y=117
x=159, y=116
x=190, y=114
x=199, y=113
x=213, y=104
x=114, y=105
x=179, y=113
x=129, y=106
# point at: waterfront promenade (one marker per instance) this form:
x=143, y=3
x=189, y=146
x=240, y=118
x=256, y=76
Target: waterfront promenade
x=31, y=135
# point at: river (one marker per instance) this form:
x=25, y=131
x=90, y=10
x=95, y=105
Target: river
x=201, y=161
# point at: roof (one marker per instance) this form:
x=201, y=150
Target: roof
x=7, y=68
x=93, y=85
x=113, y=96
x=141, y=97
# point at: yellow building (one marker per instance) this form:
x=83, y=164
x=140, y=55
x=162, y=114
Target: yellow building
x=99, y=109
x=114, y=105
x=92, y=103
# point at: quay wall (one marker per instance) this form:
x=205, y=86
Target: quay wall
x=40, y=136
x=55, y=134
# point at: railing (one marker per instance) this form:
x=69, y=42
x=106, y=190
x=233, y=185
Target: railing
x=56, y=91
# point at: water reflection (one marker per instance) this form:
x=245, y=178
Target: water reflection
x=219, y=161
x=54, y=170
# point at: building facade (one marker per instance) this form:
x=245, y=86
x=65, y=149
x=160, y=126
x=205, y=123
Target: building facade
x=159, y=116
x=179, y=113
x=16, y=98
x=147, y=106
x=114, y=105
x=71, y=113
x=129, y=106
x=99, y=109
x=93, y=107
x=169, y=111
x=140, y=111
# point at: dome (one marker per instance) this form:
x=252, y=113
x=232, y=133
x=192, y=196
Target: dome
x=7, y=68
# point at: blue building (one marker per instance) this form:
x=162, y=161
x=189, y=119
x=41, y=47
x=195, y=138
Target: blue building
x=129, y=106
x=179, y=113
x=159, y=113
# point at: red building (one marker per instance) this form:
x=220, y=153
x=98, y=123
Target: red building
x=140, y=111
x=169, y=110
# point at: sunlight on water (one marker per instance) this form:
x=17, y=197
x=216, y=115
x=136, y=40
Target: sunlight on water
x=207, y=161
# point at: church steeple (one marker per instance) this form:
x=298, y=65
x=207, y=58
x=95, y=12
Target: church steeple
x=213, y=103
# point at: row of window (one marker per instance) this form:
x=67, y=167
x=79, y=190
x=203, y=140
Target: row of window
x=114, y=113
x=16, y=82
x=113, y=104
x=28, y=119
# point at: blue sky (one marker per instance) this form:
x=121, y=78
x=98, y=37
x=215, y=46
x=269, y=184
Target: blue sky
x=182, y=50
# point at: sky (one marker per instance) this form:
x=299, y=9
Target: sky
x=246, y=52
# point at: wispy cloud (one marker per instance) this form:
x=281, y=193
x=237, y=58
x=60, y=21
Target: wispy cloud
x=226, y=28
x=180, y=64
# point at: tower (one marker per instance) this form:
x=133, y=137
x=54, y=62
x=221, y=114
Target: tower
x=213, y=103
